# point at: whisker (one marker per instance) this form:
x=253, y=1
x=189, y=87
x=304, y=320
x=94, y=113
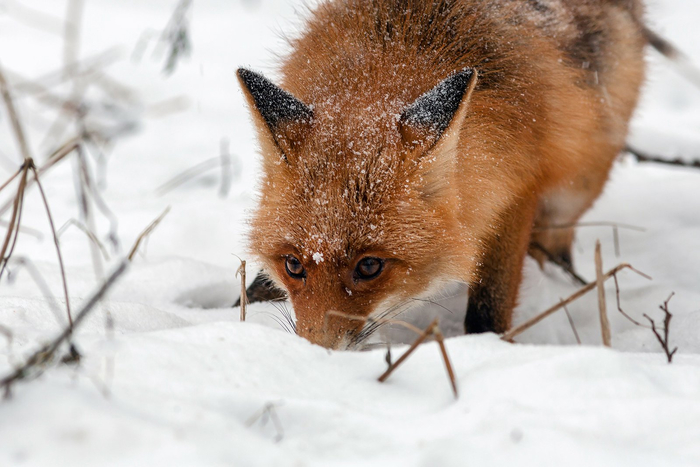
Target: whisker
x=433, y=302
x=276, y=318
x=383, y=318
x=286, y=314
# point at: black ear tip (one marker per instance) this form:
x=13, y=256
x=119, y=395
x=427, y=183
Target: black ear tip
x=461, y=79
x=249, y=77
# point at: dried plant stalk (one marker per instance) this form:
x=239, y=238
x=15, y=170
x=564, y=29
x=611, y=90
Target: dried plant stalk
x=431, y=331
x=509, y=335
x=422, y=337
x=244, y=298
x=146, y=232
x=602, y=308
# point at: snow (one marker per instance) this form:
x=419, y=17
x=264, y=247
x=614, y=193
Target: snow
x=179, y=381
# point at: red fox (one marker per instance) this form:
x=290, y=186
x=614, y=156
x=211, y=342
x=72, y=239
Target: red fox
x=412, y=143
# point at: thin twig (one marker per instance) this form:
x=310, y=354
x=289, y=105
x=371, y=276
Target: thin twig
x=602, y=308
x=147, y=231
x=25, y=230
x=9, y=180
x=667, y=325
x=445, y=358
x=19, y=200
x=90, y=235
x=38, y=279
x=573, y=326
x=57, y=156
x=15, y=219
x=189, y=174
x=619, y=305
x=642, y=157
x=434, y=331
x=509, y=335
x=423, y=336
x=244, y=298
x=55, y=241
x=14, y=118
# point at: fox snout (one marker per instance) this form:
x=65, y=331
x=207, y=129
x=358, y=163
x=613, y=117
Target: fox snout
x=336, y=330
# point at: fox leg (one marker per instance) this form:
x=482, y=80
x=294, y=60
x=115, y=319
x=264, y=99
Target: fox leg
x=493, y=296
x=558, y=211
x=553, y=233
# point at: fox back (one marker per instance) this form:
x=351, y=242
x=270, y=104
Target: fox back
x=413, y=143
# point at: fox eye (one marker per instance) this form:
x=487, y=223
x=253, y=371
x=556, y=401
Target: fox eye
x=294, y=268
x=369, y=268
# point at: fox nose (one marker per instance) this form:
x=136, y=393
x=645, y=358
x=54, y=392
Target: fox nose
x=330, y=332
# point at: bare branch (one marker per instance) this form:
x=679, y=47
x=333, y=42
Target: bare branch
x=667, y=324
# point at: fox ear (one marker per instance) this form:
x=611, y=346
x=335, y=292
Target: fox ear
x=437, y=115
x=282, y=119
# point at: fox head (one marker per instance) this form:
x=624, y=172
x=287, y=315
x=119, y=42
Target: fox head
x=356, y=210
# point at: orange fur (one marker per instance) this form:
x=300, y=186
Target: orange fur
x=531, y=143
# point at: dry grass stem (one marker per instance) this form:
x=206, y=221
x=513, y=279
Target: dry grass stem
x=445, y=358
x=244, y=298
x=57, y=156
x=222, y=161
x=90, y=235
x=619, y=305
x=573, y=326
x=188, y=174
x=431, y=331
x=14, y=118
x=147, y=231
x=600, y=285
x=55, y=241
x=11, y=179
x=15, y=220
x=510, y=334
x=421, y=337
x=19, y=262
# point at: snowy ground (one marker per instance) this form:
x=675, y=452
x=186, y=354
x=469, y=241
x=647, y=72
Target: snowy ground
x=180, y=382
